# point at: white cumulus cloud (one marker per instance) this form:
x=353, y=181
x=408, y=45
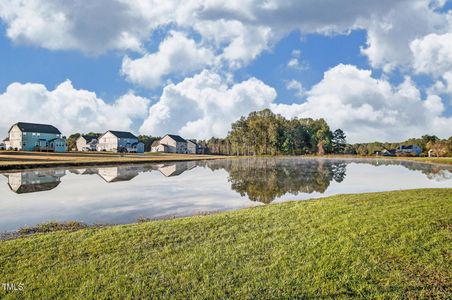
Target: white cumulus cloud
x=69, y=109
x=177, y=53
x=205, y=105
x=239, y=30
x=296, y=87
x=433, y=54
x=369, y=109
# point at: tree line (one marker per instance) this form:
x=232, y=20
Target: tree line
x=438, y=147
x=267, y=133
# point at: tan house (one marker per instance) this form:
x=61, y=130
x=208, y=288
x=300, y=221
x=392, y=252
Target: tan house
x=119, y=141
x=157, y=147
x=86, y=143
x=170, y=143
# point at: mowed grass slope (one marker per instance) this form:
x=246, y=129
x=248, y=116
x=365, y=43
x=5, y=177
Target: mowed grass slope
x=377, y=245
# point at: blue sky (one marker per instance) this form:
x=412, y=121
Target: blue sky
x=370, y=69
x=100, y=73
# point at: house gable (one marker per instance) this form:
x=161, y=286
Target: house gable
x=36, y=128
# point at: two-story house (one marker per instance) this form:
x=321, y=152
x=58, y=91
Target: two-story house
x=119, y=141
x=36, y=137
x=86, y=143
x=171, y=143
x=193, y=147
x=7, y=143
x=411, y=150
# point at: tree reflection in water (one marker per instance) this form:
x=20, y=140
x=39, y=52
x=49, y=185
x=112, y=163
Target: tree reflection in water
x=264, y=180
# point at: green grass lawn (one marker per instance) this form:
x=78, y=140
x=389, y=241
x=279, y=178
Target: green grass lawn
x=378, y=245
x=437, y=160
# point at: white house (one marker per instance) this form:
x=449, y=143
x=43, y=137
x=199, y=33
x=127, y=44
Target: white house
x=7, y=143
x=170, y=143
x=86, y=143
x=119, y=141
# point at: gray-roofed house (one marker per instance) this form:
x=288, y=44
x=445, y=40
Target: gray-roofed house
x=119, y=141
x=172, y=143
x=386, y=152
x=86, y=143
x=412, y=150
x=193, y=147
x=36, y=137
x=157, y=147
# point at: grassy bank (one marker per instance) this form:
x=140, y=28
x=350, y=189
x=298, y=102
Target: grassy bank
x=11, y=160
x=16, y=160
x=430, y=160
x=435, y=160
x=367, y=245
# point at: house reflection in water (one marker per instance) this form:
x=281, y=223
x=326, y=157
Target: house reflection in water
x=88, y=171
x=34, y=181
x=120, y=173
x=175, y=169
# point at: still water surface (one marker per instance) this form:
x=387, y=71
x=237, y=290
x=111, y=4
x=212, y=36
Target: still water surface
x=125, y=193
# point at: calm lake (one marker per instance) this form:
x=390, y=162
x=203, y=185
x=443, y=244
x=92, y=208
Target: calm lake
x=123, y=194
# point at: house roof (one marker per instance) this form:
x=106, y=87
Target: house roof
x=192, y=141
x=389, y=150
x=32, y=188
x=408, y=147
x=123, y=134
x=177, y=138
x=6, y=139
x=32, y=127
x=155, y=143
x=88, y=138
x=61, y=139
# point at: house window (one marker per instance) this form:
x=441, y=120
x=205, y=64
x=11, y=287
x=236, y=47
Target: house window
x=38, y=134
x=24, y=133
x=34, y=133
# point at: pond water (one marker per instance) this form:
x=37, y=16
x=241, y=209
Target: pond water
x=125, y=193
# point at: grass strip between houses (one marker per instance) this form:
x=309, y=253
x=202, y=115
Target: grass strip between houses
x=377, y=245
x=10, y=160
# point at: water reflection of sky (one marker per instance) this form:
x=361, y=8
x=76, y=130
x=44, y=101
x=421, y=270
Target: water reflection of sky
x=122, y=194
